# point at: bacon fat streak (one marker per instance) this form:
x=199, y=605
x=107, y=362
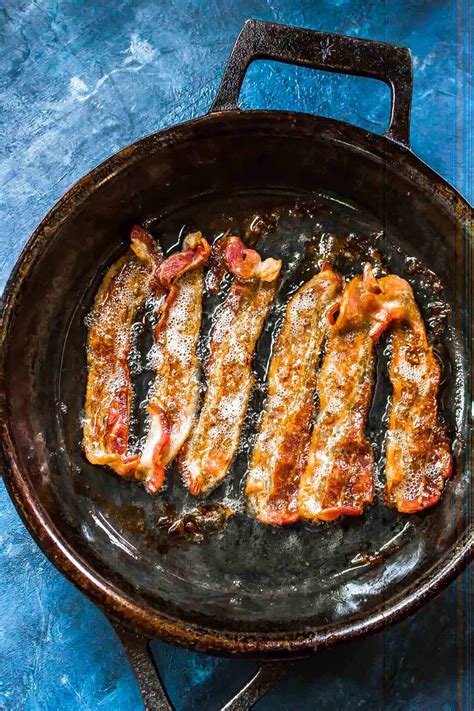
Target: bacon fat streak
x=206, y=457
x=280, y=451
x=338, y=478
x=419, y=459
x=174, y=395
x=124, y=289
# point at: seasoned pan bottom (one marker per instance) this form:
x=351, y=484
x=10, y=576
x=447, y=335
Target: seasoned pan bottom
x=247, y=574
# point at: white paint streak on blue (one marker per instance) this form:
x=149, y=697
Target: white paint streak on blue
x=139, y=53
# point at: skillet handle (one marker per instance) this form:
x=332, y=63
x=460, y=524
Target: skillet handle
x=146, y=672
x=152, y=689
x=389, y=63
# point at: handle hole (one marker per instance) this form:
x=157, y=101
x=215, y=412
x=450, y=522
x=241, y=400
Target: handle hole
x=358, y=100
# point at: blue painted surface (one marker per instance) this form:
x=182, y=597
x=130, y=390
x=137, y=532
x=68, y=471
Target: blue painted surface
x=79, y=80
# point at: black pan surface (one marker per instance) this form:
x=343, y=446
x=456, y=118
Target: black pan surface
x=321, y=188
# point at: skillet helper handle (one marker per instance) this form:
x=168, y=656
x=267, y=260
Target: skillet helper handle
x=389, y=63
x=153, y=691
x=146, y=672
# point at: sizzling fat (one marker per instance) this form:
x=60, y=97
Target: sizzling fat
x=209, y=451
x=127, y=284
x=279, y=455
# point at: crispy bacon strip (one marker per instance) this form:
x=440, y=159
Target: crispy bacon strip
x=207, y=455
x=279, y=455
x=338, y=478
x=174, y=395
x=124, y=289
x=419, y=459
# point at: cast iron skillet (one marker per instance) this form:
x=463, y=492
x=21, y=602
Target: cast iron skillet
x=249, y=590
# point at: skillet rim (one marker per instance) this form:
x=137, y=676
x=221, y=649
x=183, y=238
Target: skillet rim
x=62, y=554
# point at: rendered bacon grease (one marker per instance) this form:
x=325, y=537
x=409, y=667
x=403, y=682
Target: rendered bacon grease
x=174, y=395
x=208, y=453
x=419, y=459
x=304, y=465
x=126, y=286
x=279, y=455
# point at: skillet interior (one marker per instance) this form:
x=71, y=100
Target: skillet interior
x=248, y=578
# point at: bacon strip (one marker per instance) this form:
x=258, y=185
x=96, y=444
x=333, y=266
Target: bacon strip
x=124, y=289
x=207, y=455
x=279, y=455
x=338, y=478
x=174, y=395
x=418, y=454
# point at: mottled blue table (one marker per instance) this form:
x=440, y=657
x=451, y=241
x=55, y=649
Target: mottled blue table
x=79, y=80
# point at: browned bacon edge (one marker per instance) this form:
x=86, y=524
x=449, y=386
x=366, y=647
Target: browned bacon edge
x=338, y=478
x=208, y=453
x=280, y=452
x=124, y=289
x=174, y=396
x=195, y=254
x=418, y=456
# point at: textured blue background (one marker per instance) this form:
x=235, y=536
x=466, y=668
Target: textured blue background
x=79, y=80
